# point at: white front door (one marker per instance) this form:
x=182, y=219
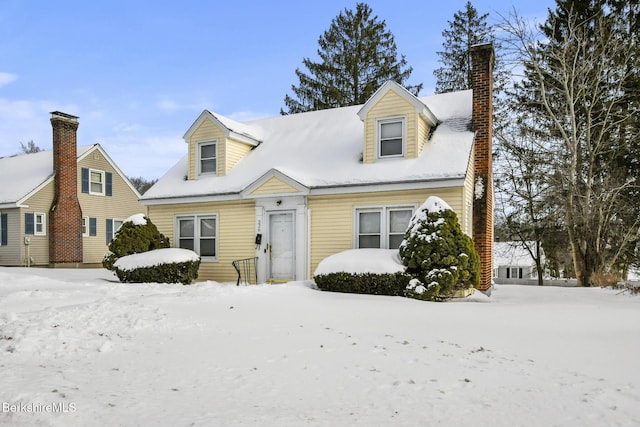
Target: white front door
x=282, y=248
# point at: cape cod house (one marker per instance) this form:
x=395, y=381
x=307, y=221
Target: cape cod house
x=60, y=207
x=292, y=190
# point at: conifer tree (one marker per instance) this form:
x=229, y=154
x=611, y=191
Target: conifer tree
x=357, y=55
x=468, y=28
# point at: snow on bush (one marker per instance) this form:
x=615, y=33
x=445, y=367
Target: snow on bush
x=167, y=265
x=363, y=271
x=357, y=261
x=437, y=253
x=155, y=257
x=136, y=235
x=137, y=219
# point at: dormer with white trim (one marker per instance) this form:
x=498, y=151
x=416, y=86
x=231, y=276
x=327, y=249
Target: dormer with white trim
x=396, y=124
x=216, y=144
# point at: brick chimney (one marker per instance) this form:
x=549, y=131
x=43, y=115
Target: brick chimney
x=482, y=57
x=65, y=215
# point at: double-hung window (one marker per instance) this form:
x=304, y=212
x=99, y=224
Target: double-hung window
x=112, y=227
x=35, y=223
x=97, y=182
x=40, y=224
x=382, y=227
x=391, y=138
x=199, y=233
x=208, y=158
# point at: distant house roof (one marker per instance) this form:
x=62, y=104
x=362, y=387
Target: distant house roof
x=27, y=173
x=511, y=254
x=323, y=149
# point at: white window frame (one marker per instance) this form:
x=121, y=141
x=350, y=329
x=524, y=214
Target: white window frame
x=115, y=229
x=85, y=226
x=385, y=223
x=42, y=217
x=402, y=120
x=200, y=159
x=102, y=181
x=197, y=235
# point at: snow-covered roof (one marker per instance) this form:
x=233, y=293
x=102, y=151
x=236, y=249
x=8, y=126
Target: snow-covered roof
x=323, y=149
x=21, y=174
x=511, y=254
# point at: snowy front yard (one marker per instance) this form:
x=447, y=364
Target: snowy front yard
x=104, y=353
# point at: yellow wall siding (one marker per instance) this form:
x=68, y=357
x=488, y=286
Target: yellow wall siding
x=391, y=105
x=39, y=247
x=235, y=151
x=333, y=216
x=274, y=186
x=13, y=253
x=423, y=133
x=236, y=233
x=207, y=131
x=469, y=183
x=122, y=204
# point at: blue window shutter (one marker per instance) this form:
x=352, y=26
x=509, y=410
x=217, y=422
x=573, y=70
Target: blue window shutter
x=109, y=230
x=3, y=229
x=108, y=183
x=85, y=180
x=29, y=226
x=93, y=227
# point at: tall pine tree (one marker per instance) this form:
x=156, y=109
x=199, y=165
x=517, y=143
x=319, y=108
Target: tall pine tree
x=357, y=55
x=468, y=28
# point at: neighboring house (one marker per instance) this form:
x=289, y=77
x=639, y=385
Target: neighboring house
x=292, y=190
x=512, y=261
x=61, y=207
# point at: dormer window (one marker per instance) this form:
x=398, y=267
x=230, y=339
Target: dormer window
x=208, y=157
x=391, y=141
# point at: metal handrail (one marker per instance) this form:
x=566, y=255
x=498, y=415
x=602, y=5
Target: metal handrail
x=247, y=269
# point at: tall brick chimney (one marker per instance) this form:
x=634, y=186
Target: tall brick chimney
x=482, y=57
x=65, y=215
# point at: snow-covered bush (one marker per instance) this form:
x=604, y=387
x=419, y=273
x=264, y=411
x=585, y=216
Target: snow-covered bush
x=363, y=271
x=136, y=235
x=167, y=265
x=436, y=252
x=392, y=284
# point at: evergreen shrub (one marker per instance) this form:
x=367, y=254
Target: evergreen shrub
x=438, y=254
x=176, y=272
x=392, y=284
x=134, y=238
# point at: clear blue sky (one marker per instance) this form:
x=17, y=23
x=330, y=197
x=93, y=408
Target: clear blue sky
x=138, y=73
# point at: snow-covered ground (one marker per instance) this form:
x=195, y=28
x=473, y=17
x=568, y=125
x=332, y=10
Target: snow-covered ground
x=99, y=353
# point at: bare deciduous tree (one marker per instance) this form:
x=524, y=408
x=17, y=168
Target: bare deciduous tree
x=576, y=86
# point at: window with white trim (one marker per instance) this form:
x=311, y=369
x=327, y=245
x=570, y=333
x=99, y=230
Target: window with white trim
x=113, y=225
x=198, y=233
x=391, y=141
x=207, y=158
x=382, y=227
x=85, y=226
x=39, y=224
x=96, y=182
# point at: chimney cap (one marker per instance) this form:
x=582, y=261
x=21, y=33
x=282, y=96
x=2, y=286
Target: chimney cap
x=64, y=116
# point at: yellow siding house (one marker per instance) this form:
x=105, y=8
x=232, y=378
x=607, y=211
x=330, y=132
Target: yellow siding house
x=292, y=190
